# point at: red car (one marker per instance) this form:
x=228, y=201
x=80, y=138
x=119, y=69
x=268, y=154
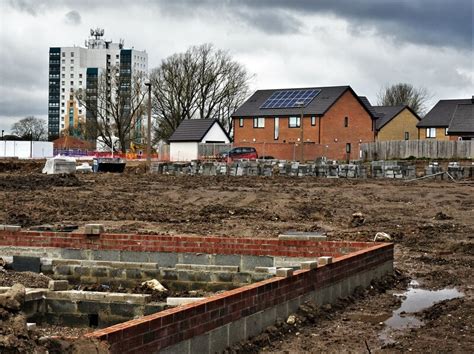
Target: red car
x=239, y=153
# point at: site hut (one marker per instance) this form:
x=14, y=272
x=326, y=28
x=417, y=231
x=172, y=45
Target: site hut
x=186, y=139
x=436, y=124
x=331, y=121
x=74, y=68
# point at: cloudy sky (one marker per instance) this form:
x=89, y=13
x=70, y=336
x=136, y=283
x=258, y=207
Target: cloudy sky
x=284, y=43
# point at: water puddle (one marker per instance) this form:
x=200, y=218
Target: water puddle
x=414, y=300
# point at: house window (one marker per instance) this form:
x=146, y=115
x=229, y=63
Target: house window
x=259, y=122
x=72, y=54
x=80, y=76
x=346, y=122
x=294, y=122
x=407, y=136
x=276, y=132
x=241, y=122
x=313, y=121
x=446, y=131
x=63, y=54
x=348, y=148
x=431, y=132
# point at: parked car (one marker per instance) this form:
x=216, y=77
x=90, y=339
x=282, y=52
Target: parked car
x=238, y=153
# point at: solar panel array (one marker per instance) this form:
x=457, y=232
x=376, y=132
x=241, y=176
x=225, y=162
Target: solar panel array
x=290, y=98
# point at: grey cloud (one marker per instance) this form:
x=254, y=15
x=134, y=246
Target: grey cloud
x=73, y=18
x=431, y=22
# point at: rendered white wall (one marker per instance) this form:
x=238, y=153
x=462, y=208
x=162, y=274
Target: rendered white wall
x=215, y=134
x=186, y=151
x=26, y=149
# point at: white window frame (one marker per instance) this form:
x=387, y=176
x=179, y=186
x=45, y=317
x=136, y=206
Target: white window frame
x=259, y=122
x=294, y=122
x=276, y=130
x=431, y=132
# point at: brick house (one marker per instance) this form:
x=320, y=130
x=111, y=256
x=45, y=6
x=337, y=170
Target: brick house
x=436, y=123
x=331, y=121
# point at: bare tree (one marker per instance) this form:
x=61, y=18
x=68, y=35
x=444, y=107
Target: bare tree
x=202, y=83
x=30, y=128
x=404, y=94
x=114, y=102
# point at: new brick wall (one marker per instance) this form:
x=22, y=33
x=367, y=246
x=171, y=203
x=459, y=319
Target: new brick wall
x=180, y=244
x=170, y=327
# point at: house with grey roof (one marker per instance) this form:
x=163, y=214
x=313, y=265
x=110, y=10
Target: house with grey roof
x=448, y=120
x=396, y=123
x=305, y=123
x=184, y=143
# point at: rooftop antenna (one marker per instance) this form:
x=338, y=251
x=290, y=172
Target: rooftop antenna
x=97, y=33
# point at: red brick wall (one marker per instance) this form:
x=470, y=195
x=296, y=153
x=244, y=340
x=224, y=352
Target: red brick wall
x=183, y=244
x=154, y=332
x=320, y=139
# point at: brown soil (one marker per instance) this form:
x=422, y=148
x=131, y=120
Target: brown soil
x=27, y=279
x=431, y=222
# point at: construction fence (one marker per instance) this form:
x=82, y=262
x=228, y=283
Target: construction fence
x=431, y=149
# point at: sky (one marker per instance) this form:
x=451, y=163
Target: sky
x=367, y=44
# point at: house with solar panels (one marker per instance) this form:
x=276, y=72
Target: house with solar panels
x=449, y=120
x=303, y=124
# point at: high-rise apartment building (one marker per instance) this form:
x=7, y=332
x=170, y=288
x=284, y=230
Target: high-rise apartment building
x=74, y=68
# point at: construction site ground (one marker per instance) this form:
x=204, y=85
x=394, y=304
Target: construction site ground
x=430, y=222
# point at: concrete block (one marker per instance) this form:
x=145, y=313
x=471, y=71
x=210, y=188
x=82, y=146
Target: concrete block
x=11, y=228
x=284, y=272
x=236, y=331
x=69, y=253
x=133, y=273
x=164, y=259
x=218, y=339
x=248, y=263
x=60, y=306
x=309, y=265
x=269, y=317
x=226, y=259
x=82, y=271
x=154, y=307
x=105, y=255
x=126, y=310
x=324, y=260
x=133, y=256
x=194, y=258
x=30, y=326
x=200, y=344
x=294, y=304
x=183, y=347
x=58, y=285
x=92, y=307
x=269, y=270
x=94, y=229
x=169, y=273
x=99, y=272
x=178, y=301
x=253, y=325
x=26, y=264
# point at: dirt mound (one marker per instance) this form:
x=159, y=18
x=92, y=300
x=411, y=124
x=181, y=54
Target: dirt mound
x=38, y=181
x=12, y=165
x=28, y=279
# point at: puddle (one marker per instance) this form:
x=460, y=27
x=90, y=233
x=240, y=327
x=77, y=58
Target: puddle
x=414, y=300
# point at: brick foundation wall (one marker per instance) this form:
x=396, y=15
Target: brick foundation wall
x=176, y=328
x=181, y=244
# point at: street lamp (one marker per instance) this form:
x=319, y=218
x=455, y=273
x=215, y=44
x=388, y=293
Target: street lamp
x=148, y=128
x=301, y=104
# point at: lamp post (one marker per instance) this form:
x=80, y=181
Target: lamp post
x=148, y=129
x=301, y=104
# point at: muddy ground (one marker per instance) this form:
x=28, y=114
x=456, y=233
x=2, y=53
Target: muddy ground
x=431, y=222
